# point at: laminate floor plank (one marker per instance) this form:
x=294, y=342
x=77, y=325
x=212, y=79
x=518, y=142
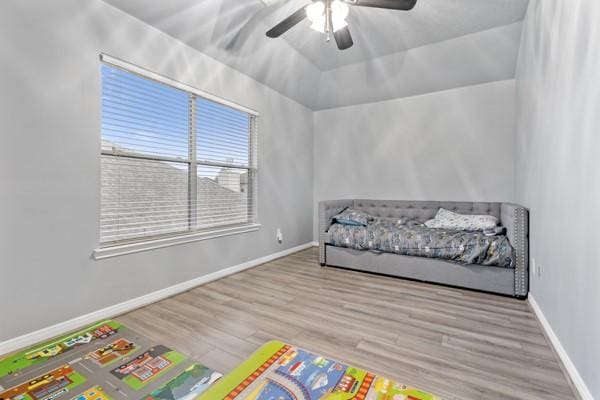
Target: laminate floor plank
x=457, y=343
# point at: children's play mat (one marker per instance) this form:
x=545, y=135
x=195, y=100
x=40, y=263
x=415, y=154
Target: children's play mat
x=109, y=361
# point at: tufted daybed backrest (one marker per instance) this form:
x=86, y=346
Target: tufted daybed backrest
x=422, y=210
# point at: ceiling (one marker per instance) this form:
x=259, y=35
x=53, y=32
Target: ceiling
x=233, y=32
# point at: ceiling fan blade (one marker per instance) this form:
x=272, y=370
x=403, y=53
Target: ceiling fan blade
x=287, y=23
x=343, y=39
x=404, y=5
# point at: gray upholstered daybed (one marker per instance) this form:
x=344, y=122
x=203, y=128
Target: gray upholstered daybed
x=507, y=281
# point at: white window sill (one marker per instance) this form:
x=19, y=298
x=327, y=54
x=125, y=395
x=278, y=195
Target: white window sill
x=115, y=251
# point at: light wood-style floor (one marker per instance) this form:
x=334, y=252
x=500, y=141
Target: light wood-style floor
x=456, y=343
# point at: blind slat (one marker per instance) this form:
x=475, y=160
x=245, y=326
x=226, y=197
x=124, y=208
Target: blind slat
x=145, y=191
x=217, y=126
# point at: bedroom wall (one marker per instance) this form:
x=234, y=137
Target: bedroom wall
x=50, y=163
x=456, y=144
x=558, y=174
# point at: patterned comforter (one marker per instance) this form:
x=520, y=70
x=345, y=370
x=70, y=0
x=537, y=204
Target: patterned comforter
x=417, y=240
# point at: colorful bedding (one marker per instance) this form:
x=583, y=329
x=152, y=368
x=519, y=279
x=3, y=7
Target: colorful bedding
x=278, y=371
x=387, y=235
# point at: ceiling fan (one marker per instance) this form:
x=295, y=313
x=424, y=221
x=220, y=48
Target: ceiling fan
x=329, y=17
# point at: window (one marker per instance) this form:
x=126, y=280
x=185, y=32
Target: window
x=174, y=161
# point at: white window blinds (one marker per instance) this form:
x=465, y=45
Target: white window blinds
x=173, y=162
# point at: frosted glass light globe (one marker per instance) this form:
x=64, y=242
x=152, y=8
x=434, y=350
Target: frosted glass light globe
x=315, y=12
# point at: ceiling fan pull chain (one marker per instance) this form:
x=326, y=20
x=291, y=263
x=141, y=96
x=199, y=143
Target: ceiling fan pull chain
x=328, y=20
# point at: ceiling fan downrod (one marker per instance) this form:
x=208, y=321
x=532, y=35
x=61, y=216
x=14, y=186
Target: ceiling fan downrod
x=328, y=22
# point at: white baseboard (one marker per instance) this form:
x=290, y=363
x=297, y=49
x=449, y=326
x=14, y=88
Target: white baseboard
x=315, y=244
x=29, y=339
x=577, y=380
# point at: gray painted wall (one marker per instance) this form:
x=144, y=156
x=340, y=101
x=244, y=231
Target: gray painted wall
x=50, y=164
x=558, y=164
x=452, y=145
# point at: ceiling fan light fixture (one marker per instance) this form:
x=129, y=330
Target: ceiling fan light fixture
x=315, y=12
x=329, y=16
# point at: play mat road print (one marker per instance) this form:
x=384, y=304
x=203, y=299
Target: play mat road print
x=106, y=361
x=278, y=371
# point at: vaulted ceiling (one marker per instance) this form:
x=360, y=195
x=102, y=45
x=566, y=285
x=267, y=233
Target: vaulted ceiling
x=440, y=44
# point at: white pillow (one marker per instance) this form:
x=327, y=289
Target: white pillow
x=446, y=219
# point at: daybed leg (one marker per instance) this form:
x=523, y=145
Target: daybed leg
x=322, y=264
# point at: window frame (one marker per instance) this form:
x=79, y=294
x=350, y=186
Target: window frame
x=193, y=233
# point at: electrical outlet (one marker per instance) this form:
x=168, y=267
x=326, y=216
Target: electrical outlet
x=536, y=269
x=279, y=236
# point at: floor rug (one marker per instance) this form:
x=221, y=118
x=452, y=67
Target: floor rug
x=106, y=361
x=278, y=371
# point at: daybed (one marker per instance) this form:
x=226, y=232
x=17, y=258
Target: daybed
x=512, y=280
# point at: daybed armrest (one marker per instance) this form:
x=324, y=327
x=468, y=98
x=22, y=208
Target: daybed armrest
x=515, y=219
x=327, y=209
